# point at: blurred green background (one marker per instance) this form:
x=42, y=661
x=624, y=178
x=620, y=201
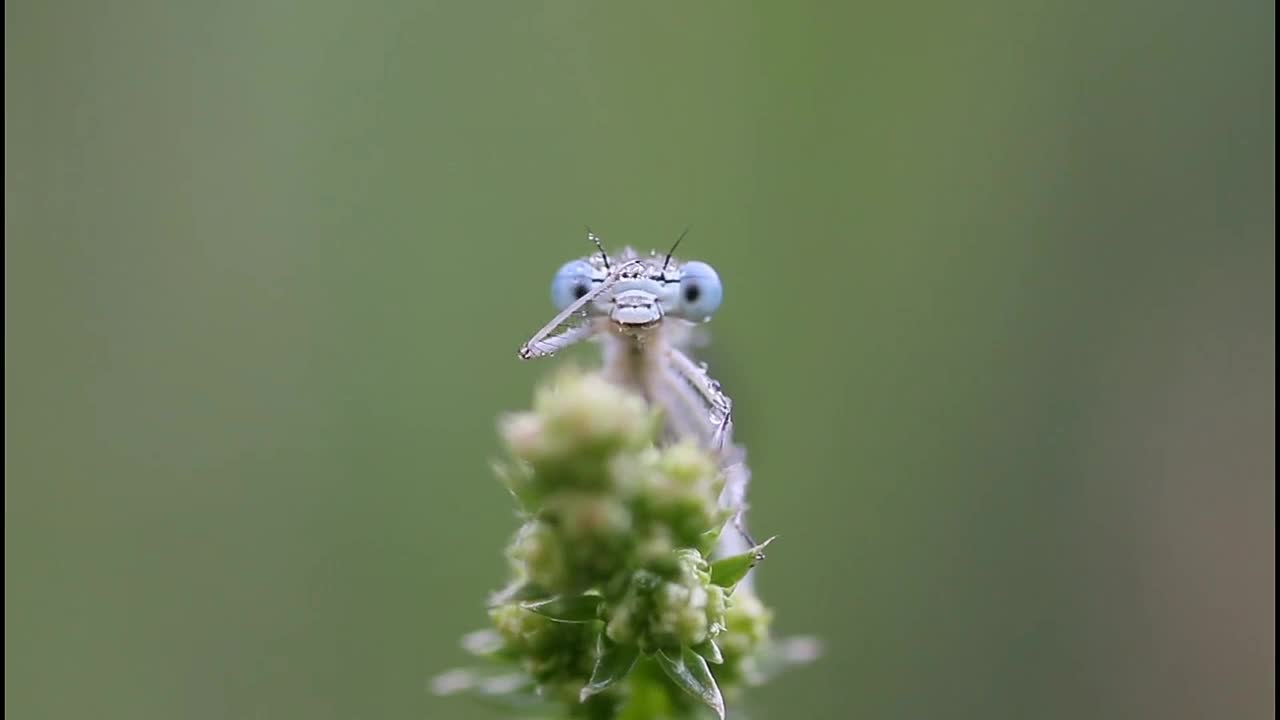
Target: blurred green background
x=999, y=327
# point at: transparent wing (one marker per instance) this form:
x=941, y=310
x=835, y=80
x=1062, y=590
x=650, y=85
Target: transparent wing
x=573, y=324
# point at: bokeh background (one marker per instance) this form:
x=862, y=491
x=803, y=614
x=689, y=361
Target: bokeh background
x=999, y=325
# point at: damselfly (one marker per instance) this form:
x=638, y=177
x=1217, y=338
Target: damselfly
x=645, y=311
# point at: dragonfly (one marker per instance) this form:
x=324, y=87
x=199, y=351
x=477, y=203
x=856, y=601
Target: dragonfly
x=646, y=311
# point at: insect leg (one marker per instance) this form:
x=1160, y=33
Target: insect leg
x=701, y=391
x=717, y=406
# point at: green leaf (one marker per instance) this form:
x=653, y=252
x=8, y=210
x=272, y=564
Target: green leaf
x=689, y=671
x=613, y=663
x=576, y=609
x=709, y=650
x=648, y=693
x=707, y=541
x=727, y=572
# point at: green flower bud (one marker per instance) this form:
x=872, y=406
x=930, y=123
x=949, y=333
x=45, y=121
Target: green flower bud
x=747, y=623
x=588, y=519
x=588, y=411
x=674, y=606
x=570, y=439
x=549, y=651
x=615, y=529
x=687, y=465
x=688, y=609
x=596, y=536
x=681, y=493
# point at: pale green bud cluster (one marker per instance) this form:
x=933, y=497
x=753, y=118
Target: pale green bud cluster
x=610, y=566
x=669, y=605
x=602, y=499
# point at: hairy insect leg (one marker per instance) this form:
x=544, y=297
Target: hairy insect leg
x=695, y=377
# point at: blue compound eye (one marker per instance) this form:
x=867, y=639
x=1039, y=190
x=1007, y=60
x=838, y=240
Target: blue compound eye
x=700, y=291
x=573, y=280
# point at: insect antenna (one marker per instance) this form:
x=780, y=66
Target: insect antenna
x=596, y=239
x=673, y=247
